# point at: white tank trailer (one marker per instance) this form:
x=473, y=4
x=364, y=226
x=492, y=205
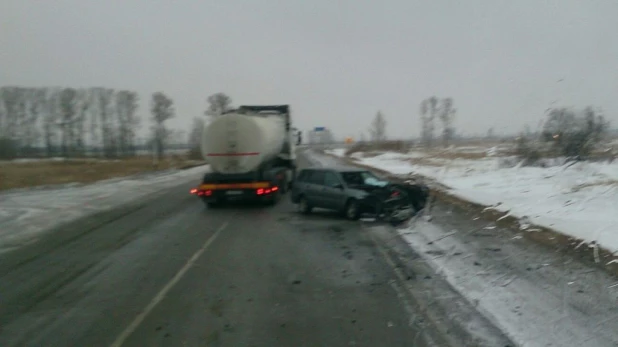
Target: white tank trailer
x=252, y=155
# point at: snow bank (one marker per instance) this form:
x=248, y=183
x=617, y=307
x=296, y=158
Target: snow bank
x=25, y=213
x=340, y=152
x=528, y=295
x=580, y=201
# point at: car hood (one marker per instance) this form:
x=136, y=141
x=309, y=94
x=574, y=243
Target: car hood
x=361, y=191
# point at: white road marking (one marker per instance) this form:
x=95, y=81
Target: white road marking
x=157, y=299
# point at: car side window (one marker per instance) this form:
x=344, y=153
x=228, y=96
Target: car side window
x=302, y=177
x=331, y=179
x=317, y=177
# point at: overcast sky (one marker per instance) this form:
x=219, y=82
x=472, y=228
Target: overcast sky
x=335, y=62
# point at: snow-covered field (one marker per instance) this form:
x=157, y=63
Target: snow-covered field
x=579, y=200
x=26, y=213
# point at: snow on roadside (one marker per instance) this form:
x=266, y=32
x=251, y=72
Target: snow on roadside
x=340, y=152
x=580, y=201
x=25, y=213
x=540, y=307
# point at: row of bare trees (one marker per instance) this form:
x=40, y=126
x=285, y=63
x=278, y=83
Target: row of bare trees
x=67, y=121
x=431, y=109
x=78, y=122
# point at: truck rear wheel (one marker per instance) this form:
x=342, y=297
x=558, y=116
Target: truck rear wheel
x=283, y=188
x=212, y=203
x=274, y=199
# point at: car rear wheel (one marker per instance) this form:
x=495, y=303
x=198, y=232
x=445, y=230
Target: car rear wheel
x=303, y=206
x=352, y=211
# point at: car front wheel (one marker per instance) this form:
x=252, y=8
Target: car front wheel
x=352, y=211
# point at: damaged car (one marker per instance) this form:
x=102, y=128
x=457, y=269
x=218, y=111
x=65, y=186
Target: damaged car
x=356, y=192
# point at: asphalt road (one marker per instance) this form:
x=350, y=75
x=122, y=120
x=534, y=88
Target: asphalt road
x=170, y=272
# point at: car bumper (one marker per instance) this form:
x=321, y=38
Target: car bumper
x=235, y=195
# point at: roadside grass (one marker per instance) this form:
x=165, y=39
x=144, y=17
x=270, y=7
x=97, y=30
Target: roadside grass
x=43, y=172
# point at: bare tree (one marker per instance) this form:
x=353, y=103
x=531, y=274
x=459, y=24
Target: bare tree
x=195, y=138
x=50, y=116
x=429, y=109
x=162, y=108
x=377, y=130
x=94, y=119
x=11, y=97
x=106, y=112
x=490, y=133
x=83, y=105
x=126, y=106
x=9, y=145
x=218, y=104
x=35, y=101
x=446, y=113
x=133, y=121
x=3, y=114
x=66, y=123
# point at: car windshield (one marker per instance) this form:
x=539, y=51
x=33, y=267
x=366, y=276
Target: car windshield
x=362, y=178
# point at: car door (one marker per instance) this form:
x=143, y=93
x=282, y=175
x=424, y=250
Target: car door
x=333, y=191
x=300, y=185
x=315, y=187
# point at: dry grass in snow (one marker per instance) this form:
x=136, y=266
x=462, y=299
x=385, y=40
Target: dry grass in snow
x=29, y=173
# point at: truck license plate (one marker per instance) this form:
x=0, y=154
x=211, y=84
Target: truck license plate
x=234, y=192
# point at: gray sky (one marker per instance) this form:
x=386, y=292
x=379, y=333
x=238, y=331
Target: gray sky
x=335, y=62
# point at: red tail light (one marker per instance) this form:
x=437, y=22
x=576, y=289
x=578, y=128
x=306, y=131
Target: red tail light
x=260, y=191
x=193, y=191
x=200, y=193
x=275, y=189
x=394, y=194
x=208, y=193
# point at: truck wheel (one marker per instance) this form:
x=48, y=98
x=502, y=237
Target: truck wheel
x=303, y=206
x=275, y=199
x=212, y=204
x=352, y=211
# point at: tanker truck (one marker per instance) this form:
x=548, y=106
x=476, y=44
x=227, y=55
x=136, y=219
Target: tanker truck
x=251, y=151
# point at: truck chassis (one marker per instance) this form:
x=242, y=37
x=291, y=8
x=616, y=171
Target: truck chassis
x=259, y=186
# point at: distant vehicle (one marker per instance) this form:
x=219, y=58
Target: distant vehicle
x=354, y=192
x=252, y=155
